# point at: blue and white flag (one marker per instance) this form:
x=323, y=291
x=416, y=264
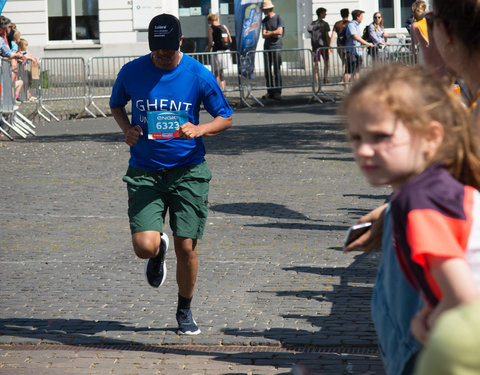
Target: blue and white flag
x=2, y=4
x=248, y=21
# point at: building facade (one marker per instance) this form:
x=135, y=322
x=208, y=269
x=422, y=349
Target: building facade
x=119, y=27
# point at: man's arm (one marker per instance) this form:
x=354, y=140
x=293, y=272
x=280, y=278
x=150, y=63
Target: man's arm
x=131, y=132
x=277, y=33
x=362, y=41
x=208, y=129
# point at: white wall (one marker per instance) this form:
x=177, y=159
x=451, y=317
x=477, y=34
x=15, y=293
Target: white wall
x=31, y=20
x=117, y=34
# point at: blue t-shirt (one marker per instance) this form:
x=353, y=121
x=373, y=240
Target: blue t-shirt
x=183, y=88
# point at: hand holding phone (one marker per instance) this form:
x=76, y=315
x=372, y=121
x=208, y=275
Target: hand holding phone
x=355, y=231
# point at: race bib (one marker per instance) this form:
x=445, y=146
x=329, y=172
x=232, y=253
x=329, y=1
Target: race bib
x=165, y=124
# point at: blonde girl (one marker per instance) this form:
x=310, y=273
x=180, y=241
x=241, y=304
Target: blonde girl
x=412, y=133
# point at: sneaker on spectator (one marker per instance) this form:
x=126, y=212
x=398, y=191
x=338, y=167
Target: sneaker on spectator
x=32, y=98
x=186, y=323
x=156, y=268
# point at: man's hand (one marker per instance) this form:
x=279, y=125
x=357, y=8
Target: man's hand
x=132, y=134
x=189, y=131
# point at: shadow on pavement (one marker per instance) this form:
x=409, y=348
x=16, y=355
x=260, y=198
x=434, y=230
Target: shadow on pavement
x=70, y=331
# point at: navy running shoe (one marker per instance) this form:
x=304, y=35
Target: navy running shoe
x=186, y=323
x=156, y=268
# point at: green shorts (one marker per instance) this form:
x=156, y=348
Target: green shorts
x=182, y=191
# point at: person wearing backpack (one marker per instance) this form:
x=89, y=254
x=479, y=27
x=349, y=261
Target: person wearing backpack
x=219, y=41
x=377, y=35
x=340, y=30
x=272, y=31
x=319, y=30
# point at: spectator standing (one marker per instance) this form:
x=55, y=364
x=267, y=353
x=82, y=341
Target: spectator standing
x=338, y=32
x=10, y=34
x=33, y=73
x=272, y=31
x=319, y=36
x=219, y=40
x=354, y=56
x=377, y=34
x=167, y=168
x=338, y=28
x=7, y=53
x=419, y=29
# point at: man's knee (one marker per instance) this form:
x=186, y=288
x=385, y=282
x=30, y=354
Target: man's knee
x=146, y=244
x=185, y=248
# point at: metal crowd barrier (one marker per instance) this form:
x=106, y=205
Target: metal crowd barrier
x=230, y=72
x=10, y=117
x=71, y=78
x=62, y=79
x=102, y=72
x=295, y=66
x=337, y=61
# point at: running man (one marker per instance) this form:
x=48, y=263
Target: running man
x=167, y=169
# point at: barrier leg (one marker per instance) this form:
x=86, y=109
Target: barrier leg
x=12, y=126
x=5, y=133
x=92, y=103
x=26, y=120
x=49, y=113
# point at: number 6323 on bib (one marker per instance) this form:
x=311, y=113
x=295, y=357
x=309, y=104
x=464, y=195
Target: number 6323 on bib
x=165, y=124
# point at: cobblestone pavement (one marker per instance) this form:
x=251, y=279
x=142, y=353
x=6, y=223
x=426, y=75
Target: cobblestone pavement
x=274, y=288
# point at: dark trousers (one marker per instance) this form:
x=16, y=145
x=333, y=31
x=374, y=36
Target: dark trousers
x=273, y=59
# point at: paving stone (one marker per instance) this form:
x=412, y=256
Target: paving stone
x=284, y=190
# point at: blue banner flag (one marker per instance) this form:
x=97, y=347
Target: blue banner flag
x=248, y=21
x=2, y=4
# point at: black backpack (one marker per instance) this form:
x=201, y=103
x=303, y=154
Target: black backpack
x=220, y=37
x=366, y=34
x=315, y=28
x=342, y=37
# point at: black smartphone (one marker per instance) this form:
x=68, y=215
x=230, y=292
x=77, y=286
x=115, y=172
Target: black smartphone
x=356, y=231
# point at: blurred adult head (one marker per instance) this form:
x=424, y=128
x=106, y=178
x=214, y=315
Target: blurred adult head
x=378, y=19
x=211, y=18
x=344, y=12
x=267, y=6
x=321, y=12
x=357, y=15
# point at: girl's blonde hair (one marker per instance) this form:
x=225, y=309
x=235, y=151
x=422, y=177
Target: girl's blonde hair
x=416, y=98
x=22, y=45
x=419, y=8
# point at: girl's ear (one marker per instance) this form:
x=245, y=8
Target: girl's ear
x=433, y=137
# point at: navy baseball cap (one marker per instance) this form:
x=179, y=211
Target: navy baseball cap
x=164, y=32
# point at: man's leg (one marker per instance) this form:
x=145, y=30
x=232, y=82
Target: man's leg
x=326, y=58
x=146, y=244
x=277, y=71
x=153, y=246
x=267, y=64
x=187, y=268
x=187, y=265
